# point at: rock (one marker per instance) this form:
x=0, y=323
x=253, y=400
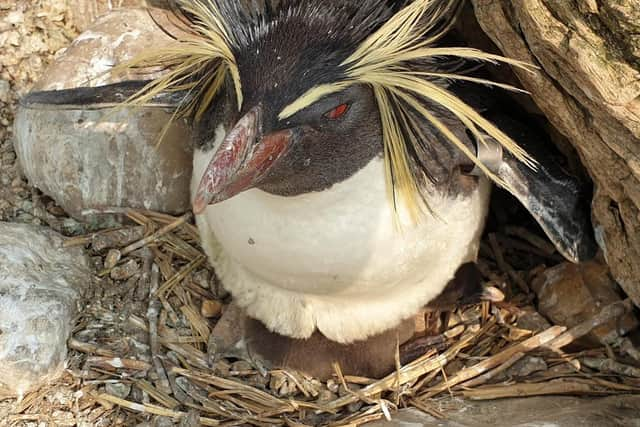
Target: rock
x=92, y=158
x=526, y=366
x=548, y=411
x=210, y=308
x=90, y=165
x=572, y=293
x=533, y=321
x=85, y=12
x=588, y=88
x=40, y=284
x=114, y=38
x=112, y=258
x=125, y=271
x=120, y=390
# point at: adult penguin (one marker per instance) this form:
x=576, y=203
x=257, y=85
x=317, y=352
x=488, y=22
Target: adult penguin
x=340, y=180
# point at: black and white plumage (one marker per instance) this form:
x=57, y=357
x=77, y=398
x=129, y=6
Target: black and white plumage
x=331, y=145
x=314, y=242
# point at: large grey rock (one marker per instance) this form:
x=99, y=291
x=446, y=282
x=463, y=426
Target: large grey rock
x=40, y=284
x=90, y=157
x=91, y=161
x=548, y=411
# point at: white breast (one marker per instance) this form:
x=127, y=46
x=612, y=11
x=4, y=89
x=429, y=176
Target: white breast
x=335, y=260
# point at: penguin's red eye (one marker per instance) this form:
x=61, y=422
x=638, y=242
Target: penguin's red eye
x=337, y=112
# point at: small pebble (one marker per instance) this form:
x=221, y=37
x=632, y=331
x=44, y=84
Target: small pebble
x=342, y=391
x=241, y=366
x=10, y=156
x=118, y=389
x=125, y=271
x=26, y=206
x=527, y=366
x=202, y=278
x=260, y=381
x=333, y=386
x=221, y=368
x=112, y=258
x=96, y=262
x=56, y=210
x=210, y=308
x=326, y=396
x=533, y=321
x=355, y=406
x=163, y=422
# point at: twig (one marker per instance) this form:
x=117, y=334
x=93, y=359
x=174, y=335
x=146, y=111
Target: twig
x=492, y=373
x=158, y=395
x=179, y=276
x=535, y=389
x=88, y=348
x=155, y=236
x=152, y=316
x=117, y=363
x=152, y=409
x=86, y=239
x=490, y=363
x=247, y=392
x=611, y=366
x=407, y=373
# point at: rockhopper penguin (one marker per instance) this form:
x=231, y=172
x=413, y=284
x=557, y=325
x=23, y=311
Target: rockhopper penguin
x=328, y=173
x=340, y=181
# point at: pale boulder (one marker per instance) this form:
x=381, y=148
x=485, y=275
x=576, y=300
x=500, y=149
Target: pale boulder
x=40, y=285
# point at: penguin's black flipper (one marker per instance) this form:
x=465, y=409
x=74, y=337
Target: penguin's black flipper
x=557, y=200
x=98, y=97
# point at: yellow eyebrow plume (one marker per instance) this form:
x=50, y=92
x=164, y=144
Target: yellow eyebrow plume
x=202, y=59
x=197, y=62
x=382, y=62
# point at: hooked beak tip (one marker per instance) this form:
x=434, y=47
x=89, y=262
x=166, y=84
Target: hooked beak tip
x=241, y=162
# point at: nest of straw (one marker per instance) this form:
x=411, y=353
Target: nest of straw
x=141, y=348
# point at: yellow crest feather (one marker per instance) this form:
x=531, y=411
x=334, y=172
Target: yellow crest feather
x=197, y=62
x=381, y=62
x=200, y=61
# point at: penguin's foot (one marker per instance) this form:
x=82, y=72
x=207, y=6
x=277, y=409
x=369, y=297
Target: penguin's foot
x=373, y=358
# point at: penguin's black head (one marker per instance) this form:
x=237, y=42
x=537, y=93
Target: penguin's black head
x=281, y=54
x=309, y=91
